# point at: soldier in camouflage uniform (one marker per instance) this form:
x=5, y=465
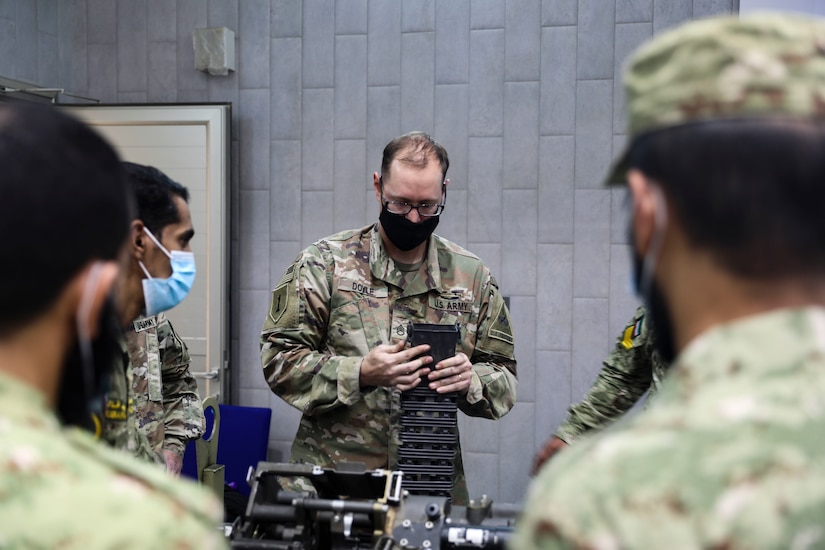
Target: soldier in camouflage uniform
x=725, y=168
x=632, y=368
x=60, y=488
x=333, y=343
x=152, y=406
x=163, y=411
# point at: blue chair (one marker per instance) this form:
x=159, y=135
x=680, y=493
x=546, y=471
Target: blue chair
x=243, y=441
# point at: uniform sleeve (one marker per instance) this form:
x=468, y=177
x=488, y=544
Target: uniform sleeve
x=292, y=339
x=626, y=375
x=182, y=405
x=492, y=391
x=572, y=504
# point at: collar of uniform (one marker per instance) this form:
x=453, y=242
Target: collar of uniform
x=23, y=404
x=121, y=342
x=383, y=267
x=772, y=342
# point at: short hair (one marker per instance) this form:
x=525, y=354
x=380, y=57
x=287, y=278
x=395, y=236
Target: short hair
x=750, y=191
x=154, y=194
x=415, y=148
x=64, y=204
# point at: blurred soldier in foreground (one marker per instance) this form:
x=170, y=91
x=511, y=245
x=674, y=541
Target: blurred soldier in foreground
x=726, y=169
x=65, y=217
x=333, y=343
x=152, y=406
x=633, y=368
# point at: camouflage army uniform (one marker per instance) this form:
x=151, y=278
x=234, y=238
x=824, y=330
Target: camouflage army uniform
x=118, y=426
x=633, y=368
x=164, y=395
x=62, y=489
x=344, y=296
x=730, y=453
x=739, y=417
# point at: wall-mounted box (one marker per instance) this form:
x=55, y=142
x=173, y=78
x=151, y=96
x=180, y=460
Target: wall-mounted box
x=214, y=50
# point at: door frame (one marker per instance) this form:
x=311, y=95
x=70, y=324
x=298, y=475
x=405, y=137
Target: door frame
x=216, y=120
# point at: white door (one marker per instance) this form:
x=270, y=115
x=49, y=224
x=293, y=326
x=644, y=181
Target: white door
x=190, y=143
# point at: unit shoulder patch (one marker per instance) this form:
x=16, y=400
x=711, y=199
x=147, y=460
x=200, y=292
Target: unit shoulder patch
x=631, y=332
x=280, y=299
x=501, y=327
x=280, y=296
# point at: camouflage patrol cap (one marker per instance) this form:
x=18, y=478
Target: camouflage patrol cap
x=759, y=65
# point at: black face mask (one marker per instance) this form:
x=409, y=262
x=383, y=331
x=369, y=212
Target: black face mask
x=661, y=325
x=84, y=379
x=403, y=233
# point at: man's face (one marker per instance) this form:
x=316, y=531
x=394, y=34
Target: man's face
x=413, y=185
x=175, y=236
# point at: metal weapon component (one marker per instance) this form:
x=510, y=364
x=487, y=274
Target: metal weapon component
x=358, y=509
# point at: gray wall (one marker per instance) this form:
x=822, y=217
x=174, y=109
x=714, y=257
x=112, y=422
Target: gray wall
x=805, y=6
x=523, y=94
x=36, y=45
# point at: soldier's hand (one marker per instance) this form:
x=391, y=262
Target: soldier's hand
x=453, y=374
x=391, y=365
x=552, y=447
x=174, y=462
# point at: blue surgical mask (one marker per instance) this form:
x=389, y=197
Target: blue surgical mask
x=163, y=294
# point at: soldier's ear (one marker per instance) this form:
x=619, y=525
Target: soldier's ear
x=137, y=240
x=644, y=210
x=376, y=183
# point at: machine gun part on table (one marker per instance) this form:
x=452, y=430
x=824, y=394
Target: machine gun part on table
x=355, y=508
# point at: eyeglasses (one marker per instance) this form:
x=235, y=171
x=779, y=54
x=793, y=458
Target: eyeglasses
x=424, y=210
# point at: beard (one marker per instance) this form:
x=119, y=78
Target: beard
x=661, y=322
x=84, y=378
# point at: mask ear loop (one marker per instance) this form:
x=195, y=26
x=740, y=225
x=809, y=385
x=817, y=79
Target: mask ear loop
x=656, y=241
x=84, y=339
x=157, y=242
x=145, y=271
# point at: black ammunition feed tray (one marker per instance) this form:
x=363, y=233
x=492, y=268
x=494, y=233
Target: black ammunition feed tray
x=429, y=426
